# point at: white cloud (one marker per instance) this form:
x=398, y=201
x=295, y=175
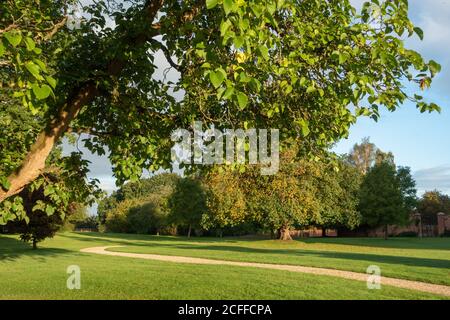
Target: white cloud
x=433, y=178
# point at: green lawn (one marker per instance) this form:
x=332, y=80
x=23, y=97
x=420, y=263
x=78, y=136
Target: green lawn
x=41, y=274
x=425, y=260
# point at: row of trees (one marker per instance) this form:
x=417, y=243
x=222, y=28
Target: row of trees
x=223, y=200
x=343, y=194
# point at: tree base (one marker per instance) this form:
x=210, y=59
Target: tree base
x=284, y=234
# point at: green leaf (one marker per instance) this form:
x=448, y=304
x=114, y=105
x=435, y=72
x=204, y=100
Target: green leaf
x=13, y=37
x=220, y=92
x=343, y=56
x=217, y=77
x=41, y=64
x=288, y=89
x=51, y=81
x=211, y=4
x=257, y=9
x=30, y=44
x=310, y=89
x=49, y=190
x=228, y=93
x=41, y=92
x=33, y=69
x=2, y=49
x=244, y=77
x=305, y=129
x=434, y=67
x=242, y=100
x=264, y=52
x=5, y=183
x=419, y=32
x=49, y=210
x=238, y=42
x=40, y=205
x=228, y=6
x=224, y=26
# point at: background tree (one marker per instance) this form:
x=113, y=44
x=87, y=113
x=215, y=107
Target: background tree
x=142, y=206
x=408, y=188
x=366, y=154
x=255, y=63
x=381, y=200
x=187, y=203
x=153, y=216
x=285, y=200
x=136, y=190
x=225, y=200
x=431, y=203
x=363, y=155
x=78, y=215
x=337, y=190
x=303, y=193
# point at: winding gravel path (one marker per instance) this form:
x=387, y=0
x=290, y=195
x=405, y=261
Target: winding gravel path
x=400, y=283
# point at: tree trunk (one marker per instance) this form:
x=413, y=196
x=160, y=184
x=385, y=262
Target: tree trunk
x=189, y=231
x=386, y=232
x=34, y=163
x=34, y=244
x=284, y=233
x=324, y=232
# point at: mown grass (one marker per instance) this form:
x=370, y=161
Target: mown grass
x=426, y=260
x=41, y=274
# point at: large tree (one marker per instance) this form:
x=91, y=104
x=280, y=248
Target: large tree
x=225, y=200
x=187, y=203
x=303, y=193
x=365, y=154
x=387, y=196
x=292, y=65
x=337, y=190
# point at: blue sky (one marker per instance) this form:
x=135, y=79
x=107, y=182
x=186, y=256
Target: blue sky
x=420, y=141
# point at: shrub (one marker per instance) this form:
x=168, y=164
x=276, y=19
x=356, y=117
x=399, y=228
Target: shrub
x=149, y=215
x=116, y=218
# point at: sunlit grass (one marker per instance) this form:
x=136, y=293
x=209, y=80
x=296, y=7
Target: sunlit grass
x=41, y=274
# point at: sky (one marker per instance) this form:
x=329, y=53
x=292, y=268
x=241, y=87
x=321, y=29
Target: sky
x=417, y=140
x=420, y=141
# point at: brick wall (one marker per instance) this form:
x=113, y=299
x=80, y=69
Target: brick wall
x=413, y=226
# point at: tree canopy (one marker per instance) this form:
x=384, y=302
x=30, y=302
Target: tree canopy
x=387, y=196
x=309, y=68
x=431, y=203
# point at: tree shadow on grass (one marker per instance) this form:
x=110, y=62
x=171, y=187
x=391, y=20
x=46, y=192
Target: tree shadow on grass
x=391, y=243
x=127, y=239
x=213, y=244
x=12, y=249
x=305, y=254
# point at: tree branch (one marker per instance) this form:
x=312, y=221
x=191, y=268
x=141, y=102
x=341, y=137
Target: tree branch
x=55, y=29
x=166, y=54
